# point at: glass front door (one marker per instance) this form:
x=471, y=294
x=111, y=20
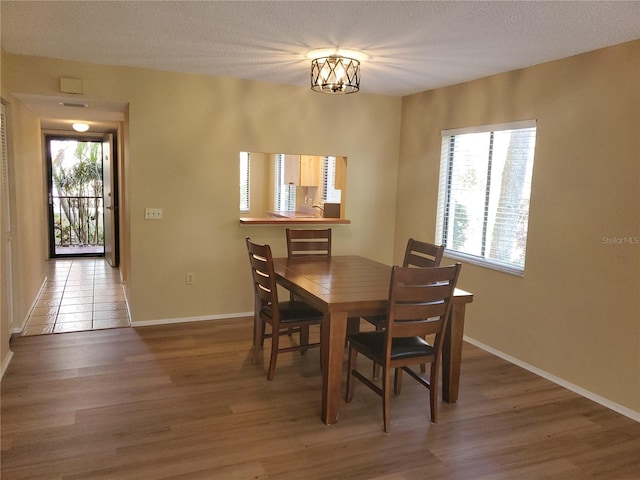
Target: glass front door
x=76, y=206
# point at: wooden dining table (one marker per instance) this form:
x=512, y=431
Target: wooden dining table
x=351, y=286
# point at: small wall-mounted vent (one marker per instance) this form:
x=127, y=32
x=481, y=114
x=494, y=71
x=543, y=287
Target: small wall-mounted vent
x=71, y=85
x=75, y=105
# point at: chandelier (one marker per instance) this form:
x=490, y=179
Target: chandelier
x=335, y=74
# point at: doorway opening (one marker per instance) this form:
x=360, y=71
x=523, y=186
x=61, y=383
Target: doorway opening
x=82, y=183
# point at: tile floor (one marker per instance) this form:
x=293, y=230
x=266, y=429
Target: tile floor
x=79, y=294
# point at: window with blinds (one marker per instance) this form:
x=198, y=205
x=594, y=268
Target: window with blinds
x=485, y=186
x=245, y=177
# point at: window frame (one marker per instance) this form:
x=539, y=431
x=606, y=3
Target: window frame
x=448, y=187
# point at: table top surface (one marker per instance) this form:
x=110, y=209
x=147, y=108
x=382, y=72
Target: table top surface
x=343, y=282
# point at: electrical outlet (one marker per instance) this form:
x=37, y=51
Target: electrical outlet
x=153, y=214
x=189, y=278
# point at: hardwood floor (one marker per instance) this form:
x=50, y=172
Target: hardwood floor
x=184, y=402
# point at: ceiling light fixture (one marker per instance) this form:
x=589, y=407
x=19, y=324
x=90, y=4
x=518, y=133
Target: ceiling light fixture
x=80, y=127
x=335, y=74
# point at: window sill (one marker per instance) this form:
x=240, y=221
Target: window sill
x=483, y=262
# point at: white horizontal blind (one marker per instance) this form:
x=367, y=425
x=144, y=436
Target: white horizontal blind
x=5, y=229
x=4, y=191
x=329, y=191
x=285, y=194
x=485, y=186
x=245, y=181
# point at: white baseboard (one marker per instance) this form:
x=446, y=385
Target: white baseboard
x=126, y=299
x=19, y=329
x=627, y=412
x=166, y=321
x=5, y=363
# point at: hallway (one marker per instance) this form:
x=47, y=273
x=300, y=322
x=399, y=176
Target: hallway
x=79, y=294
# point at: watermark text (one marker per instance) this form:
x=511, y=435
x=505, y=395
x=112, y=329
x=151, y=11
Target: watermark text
x=629, y=240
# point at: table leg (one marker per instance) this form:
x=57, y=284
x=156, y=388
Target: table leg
x=452, y=354
x=334, y=327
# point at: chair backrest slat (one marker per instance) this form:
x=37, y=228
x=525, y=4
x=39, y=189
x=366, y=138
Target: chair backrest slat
x=308, y=242
x=422, y=254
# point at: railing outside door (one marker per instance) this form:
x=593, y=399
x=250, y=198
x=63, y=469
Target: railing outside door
x=78, y=224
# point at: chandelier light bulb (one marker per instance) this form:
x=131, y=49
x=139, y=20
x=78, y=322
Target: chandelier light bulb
x=80, y=126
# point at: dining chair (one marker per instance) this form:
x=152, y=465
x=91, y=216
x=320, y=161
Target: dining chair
x=417, y=254
x=312, y=243
x=306, y=242
x=283, y=317
x=419, y=305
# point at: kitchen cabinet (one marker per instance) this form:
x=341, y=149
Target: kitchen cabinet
x=292, y=169
x=310, y=170
x=303, y=170
x=340, y=181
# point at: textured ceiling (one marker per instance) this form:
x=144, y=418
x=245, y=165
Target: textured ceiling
x=412, y=46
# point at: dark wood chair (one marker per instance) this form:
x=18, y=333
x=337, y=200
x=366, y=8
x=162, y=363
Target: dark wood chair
x=308, y=242
x=417, y=254
x=314, y=243
x=302, y=243
x=283, y=317
x=419, y=305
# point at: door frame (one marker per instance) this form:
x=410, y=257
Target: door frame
x=86, y=137
x=112, y=255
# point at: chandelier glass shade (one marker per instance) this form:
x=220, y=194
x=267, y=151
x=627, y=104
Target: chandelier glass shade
x=335, y=75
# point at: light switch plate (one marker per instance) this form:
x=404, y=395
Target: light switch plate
x=153, y=214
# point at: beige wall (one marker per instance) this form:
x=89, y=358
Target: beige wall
x=576, y=312
x=28, y=220
x=184, y=133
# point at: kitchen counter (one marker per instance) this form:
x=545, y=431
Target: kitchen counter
x=293, y=221
x=296, y=214
x=306, y=215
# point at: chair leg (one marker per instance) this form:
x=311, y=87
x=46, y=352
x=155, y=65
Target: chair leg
x=304, y=338
x=376, y=367
x=433, y=392
x=375, y=372
x=353, y=327
x=290, y=330
x=258, y=337
x=385, y=400
x=275, y=340
x=397, y=381
x=353, y=354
